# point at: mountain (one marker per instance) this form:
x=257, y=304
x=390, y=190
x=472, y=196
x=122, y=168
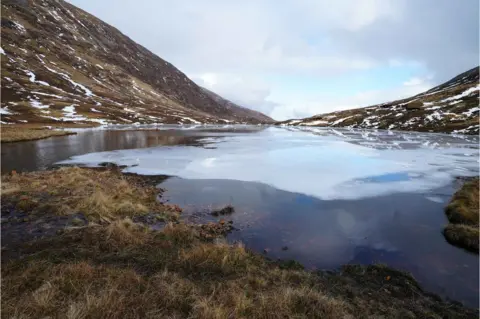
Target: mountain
x=61, y=64
x=452, y=107
x=237, y=109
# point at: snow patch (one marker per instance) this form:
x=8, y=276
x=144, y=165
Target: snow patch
x=4, y=111
x=462, y=95
x=191, y=120
x=19, y=27
x=317, y=122
x=341, y=120
x=36, y=104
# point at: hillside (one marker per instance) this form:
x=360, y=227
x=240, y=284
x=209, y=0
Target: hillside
x=239, y=110
x=61, y=64
x=452, y=107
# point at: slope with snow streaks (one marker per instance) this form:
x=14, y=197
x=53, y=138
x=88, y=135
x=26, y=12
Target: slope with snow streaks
x=452, y=107
x=56, y=55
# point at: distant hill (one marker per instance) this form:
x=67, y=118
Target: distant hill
x=452, y=107
x=237, y=109
x=61, y=64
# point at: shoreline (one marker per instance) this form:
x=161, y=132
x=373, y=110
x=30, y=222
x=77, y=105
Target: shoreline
x=96, y=230
x=13, y=134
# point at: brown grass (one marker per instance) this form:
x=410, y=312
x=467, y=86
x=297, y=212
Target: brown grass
x=99, y=195
x=122, y=269
x=464, y=206
x=463, y=235
x=18, y=134
x=463, y=215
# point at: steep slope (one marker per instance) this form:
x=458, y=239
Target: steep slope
x=237, y=109
x=60, y=63
x=452, y=107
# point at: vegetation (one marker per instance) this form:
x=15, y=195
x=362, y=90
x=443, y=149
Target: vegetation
x=114, y=267
x=21, y=133
x=462, y=213
x=98, y=194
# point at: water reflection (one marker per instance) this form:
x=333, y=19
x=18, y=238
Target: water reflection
x=34, y=155
x=401, y=230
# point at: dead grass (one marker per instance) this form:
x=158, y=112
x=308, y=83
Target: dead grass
x=463, y=215
x=464, y=206
x=18, y=134
x=116, y=268
x=98, y=195
x=463, y=235
x=123, y=270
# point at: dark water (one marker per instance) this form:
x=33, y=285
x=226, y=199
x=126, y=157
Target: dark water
x=400, y=230
x=398, y=227
x=40, y=154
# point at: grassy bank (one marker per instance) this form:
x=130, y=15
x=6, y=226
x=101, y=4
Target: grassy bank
x=462, y=213
x=114, y=264
x=14, y=133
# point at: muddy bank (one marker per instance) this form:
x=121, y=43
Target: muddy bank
x=101, y=257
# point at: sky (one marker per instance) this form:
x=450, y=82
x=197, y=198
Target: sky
x=298, y=58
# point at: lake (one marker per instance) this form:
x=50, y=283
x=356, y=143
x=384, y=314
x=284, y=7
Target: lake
x=324, y=197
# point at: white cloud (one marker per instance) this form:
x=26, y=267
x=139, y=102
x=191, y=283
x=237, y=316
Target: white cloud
x=235, y=47
x=296, y=107
x=413, y=81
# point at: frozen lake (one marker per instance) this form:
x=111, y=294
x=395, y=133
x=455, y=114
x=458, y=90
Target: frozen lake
x=324, y=197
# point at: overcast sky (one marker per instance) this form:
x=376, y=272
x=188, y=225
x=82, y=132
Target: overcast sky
x=303, y=57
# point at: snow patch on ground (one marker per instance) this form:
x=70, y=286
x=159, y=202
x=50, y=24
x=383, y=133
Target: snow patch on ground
x=19, y=27
x=2, y=51
x=434, y=116
x=75, y=84
x=4, y=111
x=48, y=94
x=341, y=120
x=191, y=120
x=317, y=122
x=471, y=111
x=36, y=104
x=462, y=95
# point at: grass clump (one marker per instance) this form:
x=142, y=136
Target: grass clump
x=17, y=134
x=100, y=195
x=463, y=215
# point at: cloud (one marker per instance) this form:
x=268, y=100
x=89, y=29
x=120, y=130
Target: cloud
x=295, y=107
x=236, y=48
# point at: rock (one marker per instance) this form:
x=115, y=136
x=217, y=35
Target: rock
x=227, y=210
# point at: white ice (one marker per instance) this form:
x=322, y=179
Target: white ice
x=328, y=164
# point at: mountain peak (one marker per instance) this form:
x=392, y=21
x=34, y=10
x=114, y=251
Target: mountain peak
x=61, y=64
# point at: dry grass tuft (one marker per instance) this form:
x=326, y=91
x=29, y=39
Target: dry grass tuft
x=463, y=235
x=10, y=134
x=464, y=206
x=122, y=270
x=463, y=214
x=99, y=195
